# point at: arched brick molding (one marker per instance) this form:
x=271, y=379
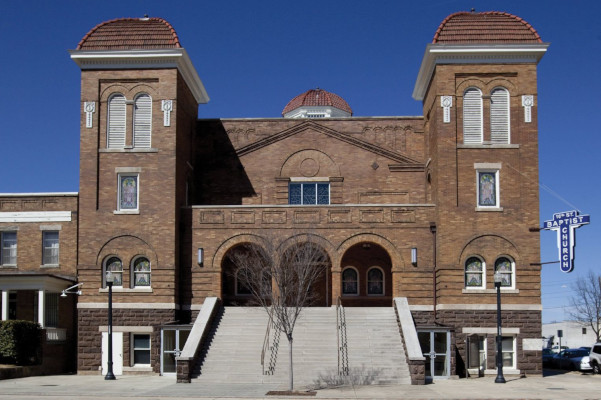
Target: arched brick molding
x=232, y=242
x=397, y=260
x=309, y=163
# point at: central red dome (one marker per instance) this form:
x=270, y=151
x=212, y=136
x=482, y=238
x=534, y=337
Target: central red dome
x=317, y=97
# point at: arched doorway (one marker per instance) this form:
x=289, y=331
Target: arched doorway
x=236, y=288
x=366, y=276
x=302, y=267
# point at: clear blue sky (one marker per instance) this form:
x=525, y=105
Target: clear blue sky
x=254, y=56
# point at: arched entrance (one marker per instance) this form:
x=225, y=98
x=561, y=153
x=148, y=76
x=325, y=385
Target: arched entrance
x=304, y=266
x=366, y=276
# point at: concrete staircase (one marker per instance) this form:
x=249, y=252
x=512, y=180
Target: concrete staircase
x=375, y=355
x=375, y=349
x=233, y=351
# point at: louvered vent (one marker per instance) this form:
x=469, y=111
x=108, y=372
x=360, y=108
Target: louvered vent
x=116, y=123
x=142, y=121
x=499, y=116
x=472, y=116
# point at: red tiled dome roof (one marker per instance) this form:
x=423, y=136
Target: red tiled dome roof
x=317, y=97
x=485, y=27
x=130, y=34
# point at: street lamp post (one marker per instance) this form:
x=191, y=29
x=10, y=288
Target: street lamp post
x=109, y=365
x=498, y=278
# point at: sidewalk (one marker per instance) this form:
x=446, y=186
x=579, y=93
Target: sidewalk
x=566, y=386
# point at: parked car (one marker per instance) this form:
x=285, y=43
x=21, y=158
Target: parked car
x=547, y=357
x=572, y=359
x=595, y=358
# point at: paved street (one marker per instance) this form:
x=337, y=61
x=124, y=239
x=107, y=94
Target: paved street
x=566, y=386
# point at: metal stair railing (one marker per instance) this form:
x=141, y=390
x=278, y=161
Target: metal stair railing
x=271, y=347
x=341, y=339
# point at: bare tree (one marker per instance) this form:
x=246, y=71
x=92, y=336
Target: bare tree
x=586, y=302
x=281, y=278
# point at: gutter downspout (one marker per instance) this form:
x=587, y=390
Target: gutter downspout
x=434, y=289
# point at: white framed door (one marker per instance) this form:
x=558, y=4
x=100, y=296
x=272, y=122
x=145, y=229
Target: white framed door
x=117, y=352
x=436, y=348
x=172, y=344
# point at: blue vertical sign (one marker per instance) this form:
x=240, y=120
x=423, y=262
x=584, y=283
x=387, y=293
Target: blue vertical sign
x=565, y=223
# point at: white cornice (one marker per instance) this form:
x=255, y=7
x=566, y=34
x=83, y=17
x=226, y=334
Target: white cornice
x=36, y=216
x=40, y=194
x=144, y=59
x=436, y=54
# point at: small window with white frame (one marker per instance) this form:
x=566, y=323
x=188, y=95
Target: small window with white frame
x=474, y=273
x=128, y=193
x=140, y=349
x=50, y=250
x=8, y=249
x=508, y=351
x=115, y=266
x=141, y=272
x=488, y=187
x=506, y=268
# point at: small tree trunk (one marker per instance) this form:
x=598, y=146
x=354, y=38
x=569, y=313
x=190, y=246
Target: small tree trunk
x=289, y=335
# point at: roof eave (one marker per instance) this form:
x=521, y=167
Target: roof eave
x=144, y=59
x=437, y=53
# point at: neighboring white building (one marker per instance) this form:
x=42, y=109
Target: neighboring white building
x=575, y=334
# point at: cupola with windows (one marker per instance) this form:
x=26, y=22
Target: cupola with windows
x=317, y=103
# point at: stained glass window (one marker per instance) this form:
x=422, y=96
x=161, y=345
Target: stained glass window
x=349, y=281
x=309, y=193
x=128, y=185
x=375, y=281
x=114, y=265
x=505, y=267
x=487, y=189
x=141, y=272
x=473, y=272
x=294, y=193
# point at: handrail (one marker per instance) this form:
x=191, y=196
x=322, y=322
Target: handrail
x=338, y=304
x=266, y=342
x=341, y=336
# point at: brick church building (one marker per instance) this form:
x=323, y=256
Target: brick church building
x=415, y=212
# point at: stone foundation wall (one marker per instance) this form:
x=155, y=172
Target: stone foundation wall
x=529, y=362
x=90, y=336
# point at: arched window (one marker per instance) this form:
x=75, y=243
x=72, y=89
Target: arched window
x=474, y=273
x=141, y=272
x=142, y=120
x=115, y=136
x=115, y=266
x=375, y=281
x=499, y=116
x=472, y=116
x=505, y=267
x=350, y=281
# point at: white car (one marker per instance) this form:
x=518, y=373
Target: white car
x=595, y=358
